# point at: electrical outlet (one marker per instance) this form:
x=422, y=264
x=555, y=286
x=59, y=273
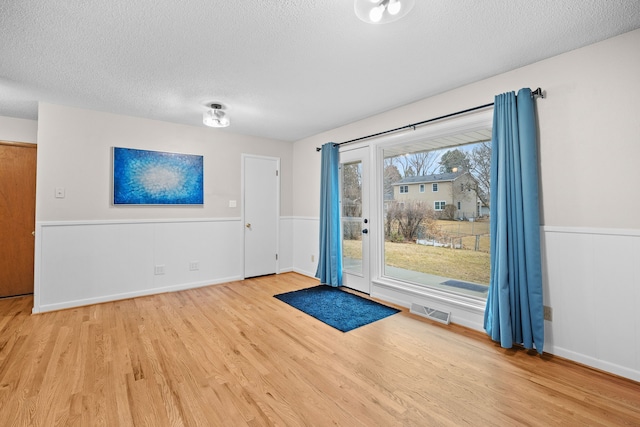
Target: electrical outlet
x=313, y=258
x=158, y=270
x=548, y=313
x=194, y=265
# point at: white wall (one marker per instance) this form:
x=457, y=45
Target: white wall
x=18, y=130
x=74, y=152
x=589, y=135
x=88, y=250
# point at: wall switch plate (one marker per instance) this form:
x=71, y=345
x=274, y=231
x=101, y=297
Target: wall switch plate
x=313, y=258
x=232, y=203
x=59, y=192
x=158, y=270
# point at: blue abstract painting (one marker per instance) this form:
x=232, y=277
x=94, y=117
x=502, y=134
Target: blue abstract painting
x=142, y=177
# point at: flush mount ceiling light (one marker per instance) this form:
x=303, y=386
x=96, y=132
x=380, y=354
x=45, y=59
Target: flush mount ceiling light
x=215, y=117
x=382, y=11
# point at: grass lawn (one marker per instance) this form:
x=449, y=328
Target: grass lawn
x=458, y=264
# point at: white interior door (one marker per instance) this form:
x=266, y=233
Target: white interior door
x=356, y=224
x=261, y=210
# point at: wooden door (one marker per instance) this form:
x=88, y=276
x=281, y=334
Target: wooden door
x=17, y=217
x=261, y=213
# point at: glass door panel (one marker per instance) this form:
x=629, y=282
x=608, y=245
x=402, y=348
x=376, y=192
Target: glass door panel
x=352, y=217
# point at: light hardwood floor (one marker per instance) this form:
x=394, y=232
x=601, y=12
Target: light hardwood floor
x=232, y=355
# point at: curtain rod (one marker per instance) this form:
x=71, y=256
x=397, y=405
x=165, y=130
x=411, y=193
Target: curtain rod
x=535, y=93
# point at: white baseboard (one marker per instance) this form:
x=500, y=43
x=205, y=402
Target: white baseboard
x=602, y=365
x=304, y=273
x=115, y=297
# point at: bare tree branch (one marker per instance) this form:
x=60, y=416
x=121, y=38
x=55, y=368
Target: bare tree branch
x=481, y=171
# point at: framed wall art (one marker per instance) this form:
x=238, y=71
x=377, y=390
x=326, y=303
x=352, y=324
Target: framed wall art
x=143, y=177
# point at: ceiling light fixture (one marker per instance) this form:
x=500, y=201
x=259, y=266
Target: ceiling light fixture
x=382, y=11
x=215, y=117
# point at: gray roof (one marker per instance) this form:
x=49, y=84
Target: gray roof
x=425, y=179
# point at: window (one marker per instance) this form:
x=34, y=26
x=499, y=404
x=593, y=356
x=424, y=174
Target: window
x=425, y=243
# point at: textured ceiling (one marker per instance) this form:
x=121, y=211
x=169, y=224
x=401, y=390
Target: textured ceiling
x=286, y=69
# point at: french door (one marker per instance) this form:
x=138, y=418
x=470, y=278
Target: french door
x=356, y=224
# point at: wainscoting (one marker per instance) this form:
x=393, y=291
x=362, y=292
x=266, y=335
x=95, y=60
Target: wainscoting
x=305, y=245
x=285, y=247
x=80, y=263
x=592, y=283
x=591, y=280
x=88, y=262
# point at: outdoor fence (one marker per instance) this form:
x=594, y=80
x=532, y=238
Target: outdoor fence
x=470, y=235
x=478, y=242
x=476, y=227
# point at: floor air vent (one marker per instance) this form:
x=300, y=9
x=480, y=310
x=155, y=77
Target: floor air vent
x=430, y=313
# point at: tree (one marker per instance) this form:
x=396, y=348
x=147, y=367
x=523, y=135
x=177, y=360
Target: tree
x=417, y=164
x=449, y=212
x=481, y=170
x=352, y=189
x=410, y=217
x=351, y=199
x=454, y=159
x=391, y=175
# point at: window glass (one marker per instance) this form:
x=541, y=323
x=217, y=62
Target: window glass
x=439, y=240
x=351, y=202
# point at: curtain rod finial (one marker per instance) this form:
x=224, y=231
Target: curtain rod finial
x=538, y=92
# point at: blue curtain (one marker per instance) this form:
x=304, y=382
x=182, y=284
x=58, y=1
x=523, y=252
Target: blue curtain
x=330, y=259
x=514, y=312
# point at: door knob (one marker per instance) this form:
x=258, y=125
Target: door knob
x=248, y=225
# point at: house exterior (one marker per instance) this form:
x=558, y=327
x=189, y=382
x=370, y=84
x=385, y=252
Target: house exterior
x=439, y=190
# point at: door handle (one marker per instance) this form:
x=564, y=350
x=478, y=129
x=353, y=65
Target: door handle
x=248, y=225
x=33, y=233
x=365, y=231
